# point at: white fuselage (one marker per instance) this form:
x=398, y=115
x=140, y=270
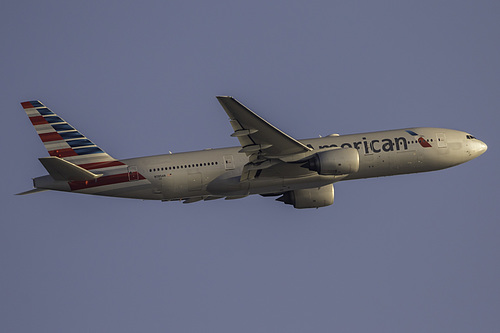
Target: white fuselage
x=215, y=173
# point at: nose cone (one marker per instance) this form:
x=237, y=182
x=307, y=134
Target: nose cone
x=479, y=148
x=482, y=147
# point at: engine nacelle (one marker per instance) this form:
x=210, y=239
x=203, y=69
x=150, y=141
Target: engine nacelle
x=334, y=162
x=309, y=197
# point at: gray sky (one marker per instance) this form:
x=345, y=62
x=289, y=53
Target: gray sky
x=415, y=253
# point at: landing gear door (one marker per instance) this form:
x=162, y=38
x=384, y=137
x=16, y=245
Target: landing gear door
x=228, y=162
x=441, y=140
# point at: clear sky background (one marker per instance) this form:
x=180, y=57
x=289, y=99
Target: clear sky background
x=414, y=253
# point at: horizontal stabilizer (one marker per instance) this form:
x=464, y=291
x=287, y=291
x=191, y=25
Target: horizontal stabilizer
x=35, y=190
x=61, y=169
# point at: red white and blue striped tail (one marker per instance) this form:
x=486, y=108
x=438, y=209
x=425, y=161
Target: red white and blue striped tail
x=63, y=140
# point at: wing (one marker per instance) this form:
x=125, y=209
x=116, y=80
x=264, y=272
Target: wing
x=265, y=144
x=258, y=138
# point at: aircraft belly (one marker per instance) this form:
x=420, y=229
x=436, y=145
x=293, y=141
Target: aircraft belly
x=279, y=185
x=185, y=185
x=137, y=191
x=228, y=183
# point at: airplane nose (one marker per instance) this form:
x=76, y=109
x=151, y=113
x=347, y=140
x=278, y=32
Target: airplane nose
x=481, y=148
x=484, y=147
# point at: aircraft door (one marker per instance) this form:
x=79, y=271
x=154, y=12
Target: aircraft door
x=228, y=162
x=441, y=140
x=132, y=173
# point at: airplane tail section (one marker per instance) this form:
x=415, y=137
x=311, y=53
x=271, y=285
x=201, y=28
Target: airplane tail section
x=76, y=163
x=61, y=169
x=61, y=139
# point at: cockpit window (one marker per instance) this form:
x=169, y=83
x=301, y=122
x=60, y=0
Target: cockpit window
x=470, y=137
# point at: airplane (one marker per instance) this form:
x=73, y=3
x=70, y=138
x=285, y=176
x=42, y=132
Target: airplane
x=267, y=162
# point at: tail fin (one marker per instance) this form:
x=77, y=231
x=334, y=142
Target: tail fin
x=61, y=139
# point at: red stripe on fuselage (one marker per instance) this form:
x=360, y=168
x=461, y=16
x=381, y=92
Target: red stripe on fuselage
x=38, y=120
x=100, y=165
x=51, y=136
x=105, y=180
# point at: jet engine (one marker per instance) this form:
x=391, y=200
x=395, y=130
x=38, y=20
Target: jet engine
x=339, y=161
x=309, y=197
